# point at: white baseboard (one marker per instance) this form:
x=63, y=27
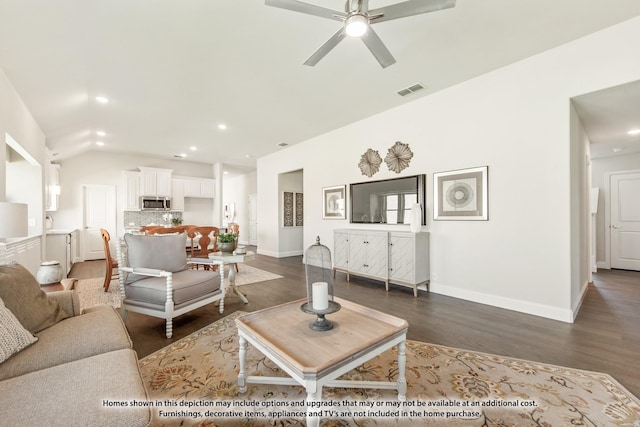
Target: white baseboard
x=604, y=265
x=583, y=294
x=555, y=313
x=280, y=254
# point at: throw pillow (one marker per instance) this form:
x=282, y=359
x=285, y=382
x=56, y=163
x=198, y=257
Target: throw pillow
x=22, y=295
x=13, y=336
x=166, y=252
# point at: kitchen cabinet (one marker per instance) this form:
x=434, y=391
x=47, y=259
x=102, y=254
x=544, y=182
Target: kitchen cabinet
x=177, y=191
x=155, y=182
x=390, y=256
x=61, y=246
x=131, y=190
x=199, y=187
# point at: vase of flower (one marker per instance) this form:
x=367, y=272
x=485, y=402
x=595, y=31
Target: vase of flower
x=227, y=242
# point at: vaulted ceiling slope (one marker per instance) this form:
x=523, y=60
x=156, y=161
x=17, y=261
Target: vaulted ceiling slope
x=174, y=70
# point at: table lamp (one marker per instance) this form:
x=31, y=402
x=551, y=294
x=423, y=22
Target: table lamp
x=13, y=220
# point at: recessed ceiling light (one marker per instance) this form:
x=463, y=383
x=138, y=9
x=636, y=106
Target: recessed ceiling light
x=226, y=172
x=248, y=156
x=634, y=132
x=617, y=149
x=102, y=99
x=101, y=133
x=100, y=143
x=193, y=148
x=222, y=126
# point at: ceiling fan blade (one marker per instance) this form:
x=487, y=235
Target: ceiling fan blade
x=309, y=9
x=379, y=50
x=326, y=48
x=409, y=8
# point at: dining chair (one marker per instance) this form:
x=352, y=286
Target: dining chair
x=111, y=263
x=203, y=241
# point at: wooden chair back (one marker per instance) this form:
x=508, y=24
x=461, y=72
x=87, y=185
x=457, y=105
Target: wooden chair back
x=111, y=263
x=234, y=228
x=148, y=229
x=206, y=236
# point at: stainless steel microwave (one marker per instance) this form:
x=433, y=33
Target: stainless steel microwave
x=155, y=203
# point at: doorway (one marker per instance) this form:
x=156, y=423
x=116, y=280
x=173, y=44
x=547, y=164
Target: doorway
x=99, y=212
x=624, y=220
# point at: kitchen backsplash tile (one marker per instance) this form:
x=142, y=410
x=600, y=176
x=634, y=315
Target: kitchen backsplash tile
x=140, y=218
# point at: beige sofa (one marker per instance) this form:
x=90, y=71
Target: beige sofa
x=81, y=371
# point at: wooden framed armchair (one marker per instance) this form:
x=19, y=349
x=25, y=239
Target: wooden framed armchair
x=155, y=279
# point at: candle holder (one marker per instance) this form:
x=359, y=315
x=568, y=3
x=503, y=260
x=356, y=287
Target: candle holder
x=318, y=269
x=321, y=323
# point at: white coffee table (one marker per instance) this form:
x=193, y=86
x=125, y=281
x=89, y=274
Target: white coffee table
x=232, y=259
x=315, y=359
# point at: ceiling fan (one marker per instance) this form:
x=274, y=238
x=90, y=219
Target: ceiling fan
x=357, y=19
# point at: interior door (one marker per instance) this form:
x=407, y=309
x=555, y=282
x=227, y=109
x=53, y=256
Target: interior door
x=253, y=219
x=625, y=221
x=99, y=212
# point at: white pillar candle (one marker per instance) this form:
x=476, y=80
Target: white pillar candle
x=320, y=295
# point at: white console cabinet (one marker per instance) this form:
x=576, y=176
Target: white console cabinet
x=390, y=256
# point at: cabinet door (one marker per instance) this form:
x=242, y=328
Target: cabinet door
x=357, y=253
x=377, y=255
x=341, y=250
x=148, y=184
x=207, y=188
x=401, y=258
x=191, y=188
x=177, y=198
x=163, y=184
x=132, y=191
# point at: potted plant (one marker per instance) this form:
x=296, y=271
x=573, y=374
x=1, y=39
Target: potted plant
x=227, y=242
x=176, y=221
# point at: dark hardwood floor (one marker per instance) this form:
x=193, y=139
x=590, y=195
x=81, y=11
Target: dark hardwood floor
x=605, y=336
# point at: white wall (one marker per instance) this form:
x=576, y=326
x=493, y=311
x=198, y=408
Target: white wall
x=237, y=190
x=17, y=121
x=516, y=120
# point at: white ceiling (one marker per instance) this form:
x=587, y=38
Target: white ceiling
x=173, y=70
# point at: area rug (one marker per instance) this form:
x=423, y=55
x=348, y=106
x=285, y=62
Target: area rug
x=91, y=291
x=446, y=386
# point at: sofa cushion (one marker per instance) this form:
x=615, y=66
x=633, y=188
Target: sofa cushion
x=77, y=394
x=13, y=336
x=99, y=331
x=22, y=295
x=187, y=285
x=162, y=252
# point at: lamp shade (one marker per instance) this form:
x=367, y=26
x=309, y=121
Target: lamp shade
x=13, y=220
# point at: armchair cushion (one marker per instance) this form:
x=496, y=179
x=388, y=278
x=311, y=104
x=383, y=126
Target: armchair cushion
x=187, y=285
x=163, y=252
x=22, y=295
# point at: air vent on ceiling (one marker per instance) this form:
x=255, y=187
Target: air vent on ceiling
x=411, y=89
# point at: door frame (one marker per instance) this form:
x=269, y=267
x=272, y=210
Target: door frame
x=607, y=213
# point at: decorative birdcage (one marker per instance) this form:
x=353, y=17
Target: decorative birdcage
x=318, y=269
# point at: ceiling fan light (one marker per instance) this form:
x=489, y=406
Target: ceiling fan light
x=356, y=25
